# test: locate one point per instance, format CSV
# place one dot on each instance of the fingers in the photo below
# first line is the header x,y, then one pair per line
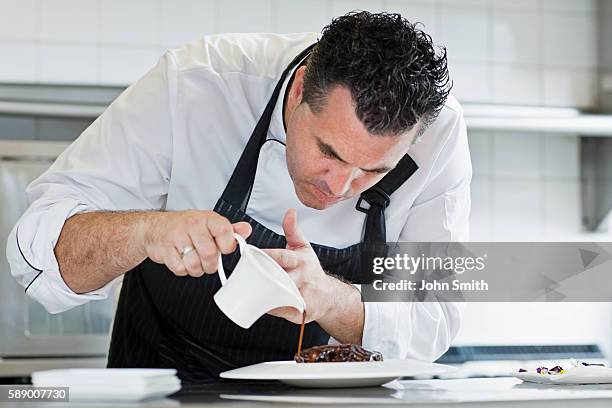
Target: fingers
x,y
190,260
284,257
206,231
243,228
174,262
289,313
205,249
223,233
294,235
213,235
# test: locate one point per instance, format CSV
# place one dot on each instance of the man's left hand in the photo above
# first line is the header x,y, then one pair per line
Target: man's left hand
x,y
300,261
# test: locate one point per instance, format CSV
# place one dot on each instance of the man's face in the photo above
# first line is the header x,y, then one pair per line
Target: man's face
x,y
330,155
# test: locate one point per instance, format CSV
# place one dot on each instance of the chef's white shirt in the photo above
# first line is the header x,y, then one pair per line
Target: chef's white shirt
x,y
172,140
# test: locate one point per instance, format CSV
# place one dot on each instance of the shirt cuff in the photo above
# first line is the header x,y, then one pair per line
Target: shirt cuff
x,y
419,330
30,251
380,331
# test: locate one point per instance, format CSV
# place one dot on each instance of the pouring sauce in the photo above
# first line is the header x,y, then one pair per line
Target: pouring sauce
x,y
299,350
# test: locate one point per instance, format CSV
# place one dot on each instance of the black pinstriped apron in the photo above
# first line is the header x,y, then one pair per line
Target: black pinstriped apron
x,y
167,321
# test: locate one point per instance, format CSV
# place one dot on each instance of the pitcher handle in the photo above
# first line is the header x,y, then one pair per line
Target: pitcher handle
x,y
241,245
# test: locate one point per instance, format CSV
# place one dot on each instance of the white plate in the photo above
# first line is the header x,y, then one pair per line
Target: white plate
x,y
334,375
574,375
123,373
124,385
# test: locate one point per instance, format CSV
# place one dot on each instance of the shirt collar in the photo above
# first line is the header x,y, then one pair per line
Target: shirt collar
x,y
277,129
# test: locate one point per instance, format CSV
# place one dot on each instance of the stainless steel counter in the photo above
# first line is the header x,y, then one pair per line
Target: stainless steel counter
x,y
23,367
485,392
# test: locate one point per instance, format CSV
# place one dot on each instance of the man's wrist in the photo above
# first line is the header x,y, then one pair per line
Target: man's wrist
x,y
145,226
344,319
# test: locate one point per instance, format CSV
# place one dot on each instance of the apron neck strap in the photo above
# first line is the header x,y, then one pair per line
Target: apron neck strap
x,y
379,196
238,189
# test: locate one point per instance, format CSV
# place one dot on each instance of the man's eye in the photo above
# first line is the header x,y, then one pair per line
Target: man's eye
x,y
377,172
329,154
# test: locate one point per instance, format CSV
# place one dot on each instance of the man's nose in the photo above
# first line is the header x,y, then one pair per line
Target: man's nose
x,y
340,181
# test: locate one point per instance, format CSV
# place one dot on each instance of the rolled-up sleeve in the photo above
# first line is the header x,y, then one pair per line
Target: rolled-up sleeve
x,y
122,161
425,330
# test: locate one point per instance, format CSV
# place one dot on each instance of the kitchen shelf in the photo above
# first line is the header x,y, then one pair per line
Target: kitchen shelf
x,y
38,150
63,110
56,100
536,119
584,125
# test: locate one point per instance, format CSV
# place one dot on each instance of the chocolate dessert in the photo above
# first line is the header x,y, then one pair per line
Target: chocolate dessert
x,y
337,354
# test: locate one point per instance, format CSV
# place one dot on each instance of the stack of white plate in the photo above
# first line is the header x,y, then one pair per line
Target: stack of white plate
x,y
111,384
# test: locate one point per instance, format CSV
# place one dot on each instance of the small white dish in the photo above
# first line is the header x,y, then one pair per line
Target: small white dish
x,y
573,375
336,375
111,384
105,374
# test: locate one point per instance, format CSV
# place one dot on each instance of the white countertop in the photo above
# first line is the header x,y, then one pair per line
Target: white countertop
x,y
475,392
493,391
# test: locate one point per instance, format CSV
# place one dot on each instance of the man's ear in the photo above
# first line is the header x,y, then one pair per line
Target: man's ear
x,y
297,89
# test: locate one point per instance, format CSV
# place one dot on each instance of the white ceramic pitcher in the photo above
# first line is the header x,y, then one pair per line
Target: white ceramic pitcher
x,y
257,285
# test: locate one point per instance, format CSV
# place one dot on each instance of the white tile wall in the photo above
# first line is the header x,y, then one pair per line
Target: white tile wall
x,y
515,5
569,5
561,158
118,64
460,26
463,3
339,7
313,15
424,12
481,219
472,81
517,156
19,61
569,87
186,22
245,16
19,19
69,20
561,204
515,36
481,148
525,187
569,40
68,63
498,49
133,22
516,85
519,203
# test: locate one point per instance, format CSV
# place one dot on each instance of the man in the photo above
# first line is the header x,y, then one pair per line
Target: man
x,y
240,134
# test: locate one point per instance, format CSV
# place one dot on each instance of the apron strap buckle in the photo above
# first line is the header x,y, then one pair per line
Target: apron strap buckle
x,y
375,196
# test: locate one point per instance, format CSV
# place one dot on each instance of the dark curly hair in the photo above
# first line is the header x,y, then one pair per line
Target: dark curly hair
x,y
391,67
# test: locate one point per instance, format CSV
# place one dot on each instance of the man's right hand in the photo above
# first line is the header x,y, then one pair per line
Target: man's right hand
x,y
167,234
